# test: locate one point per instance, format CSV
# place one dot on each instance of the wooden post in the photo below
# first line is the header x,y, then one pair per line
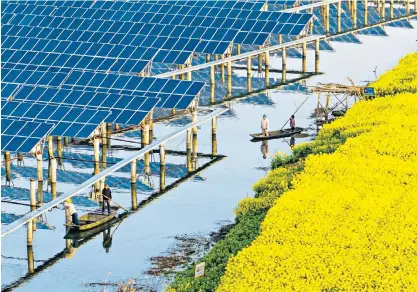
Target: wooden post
x,y
8,162
189,167
66,141
145,142
222,71
229,79
32,198
31,261
162,167
304,57
194,152
214,136
53,177
238,49
150,121
96,147
383,9
365,12
280,39
39,163
327,18
212,84
317,56
260,61
284,65
109,132
208,58
133,183
30,233
249,74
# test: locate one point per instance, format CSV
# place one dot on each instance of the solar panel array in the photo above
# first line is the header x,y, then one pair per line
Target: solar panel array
x,y
22,136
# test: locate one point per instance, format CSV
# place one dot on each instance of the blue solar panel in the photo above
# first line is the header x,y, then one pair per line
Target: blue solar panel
x,y
125,109
165,89
22,136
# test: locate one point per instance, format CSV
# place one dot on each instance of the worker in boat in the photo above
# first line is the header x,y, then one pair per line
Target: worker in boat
x,y
106,197
107,239
70,209
264,148
292,123
264,126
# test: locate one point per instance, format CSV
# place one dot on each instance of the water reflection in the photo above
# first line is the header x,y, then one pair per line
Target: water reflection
x,y
264,148
107,239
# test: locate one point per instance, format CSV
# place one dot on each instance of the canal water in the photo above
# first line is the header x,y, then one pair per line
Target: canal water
x,y
196,206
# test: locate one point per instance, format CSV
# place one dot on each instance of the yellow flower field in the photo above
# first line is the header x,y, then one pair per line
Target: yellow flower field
x,y
349,221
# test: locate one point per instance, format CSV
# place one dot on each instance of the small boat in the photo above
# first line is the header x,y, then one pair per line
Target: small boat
x,y
93,219
277,134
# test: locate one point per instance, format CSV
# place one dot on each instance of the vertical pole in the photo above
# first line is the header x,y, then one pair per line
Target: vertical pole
x,y
327,18
280,39
59,150
222,70
312,21
377,5
162,167
30,233
31,260
339,21
8,167
214,136
354,14
32,194
66,141
96,146
304,57
50,147
212,84
189,168
229,79
104,140
150,117
133,184
318,106
249,74
194,130
407,5
317,56
391,9
147,155
383,9
260,61
109,132
238,49
365,12
207,58
53,177
284,65
174,112
40,174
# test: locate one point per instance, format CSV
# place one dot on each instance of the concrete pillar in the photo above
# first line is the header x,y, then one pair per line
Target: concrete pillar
x,y
208,58
238,49
30,233
8,162
109,132
280,39
96,147
317,55
212,84
266,76
66,141
284,65
162,167
31,260
229,79
53,177
260,61
59,150
32,198
39,164
383,9
222,71
194,119
249,74
391,9
214,136
327,18
150,117
145,142
304,57
133,175
188,145
194,152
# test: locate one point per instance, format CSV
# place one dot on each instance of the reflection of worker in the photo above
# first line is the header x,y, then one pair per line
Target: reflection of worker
x,y
70,209
264,148
107,239
292,142
71,250
264,126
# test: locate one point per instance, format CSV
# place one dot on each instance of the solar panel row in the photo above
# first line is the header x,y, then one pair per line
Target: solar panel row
x,y
22,136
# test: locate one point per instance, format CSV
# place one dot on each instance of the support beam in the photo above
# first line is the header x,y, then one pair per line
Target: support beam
x,y
249,74
214,136
212,84
96,147
391,9
109,132
8,162
284,65
30,233
188,145
133,175
311,21
162,167
280,39
50,147
53,177
339,18
238,49
145,142
222,71
317,55
260,61
31,260
39,167
382,10
150,122
304,57
66,141
208,58
194,152
327,12
365,12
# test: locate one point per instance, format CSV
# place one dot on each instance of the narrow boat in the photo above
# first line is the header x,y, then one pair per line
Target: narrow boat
x,y
277,134
93,219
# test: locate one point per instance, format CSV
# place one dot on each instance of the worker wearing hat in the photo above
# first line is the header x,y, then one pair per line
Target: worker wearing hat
x,y
264,126
70,209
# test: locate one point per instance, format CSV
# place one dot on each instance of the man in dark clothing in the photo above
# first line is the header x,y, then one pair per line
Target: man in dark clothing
x,y
106,197
107,239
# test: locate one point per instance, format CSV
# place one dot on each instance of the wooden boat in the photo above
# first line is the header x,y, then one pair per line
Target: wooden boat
x,y
93,219
276,134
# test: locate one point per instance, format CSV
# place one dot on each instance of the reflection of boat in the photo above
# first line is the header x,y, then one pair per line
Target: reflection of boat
x,y
276,134
93,219
80,235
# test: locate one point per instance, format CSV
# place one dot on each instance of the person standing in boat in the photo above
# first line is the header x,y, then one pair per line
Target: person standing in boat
x,y
70,209
264,126
292,123
106,198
